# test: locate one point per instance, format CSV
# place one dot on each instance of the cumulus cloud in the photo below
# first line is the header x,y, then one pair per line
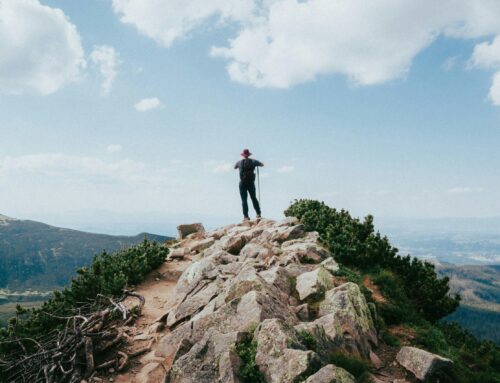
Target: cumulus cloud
x,y
465,189
168,20
487,55
114,148
107,60
40,49
147,104
281,43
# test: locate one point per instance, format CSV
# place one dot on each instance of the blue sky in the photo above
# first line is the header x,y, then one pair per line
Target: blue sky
x,y
377,117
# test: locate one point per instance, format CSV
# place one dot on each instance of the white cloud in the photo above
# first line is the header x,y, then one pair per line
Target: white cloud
x,y
68,166
487,55
40,49
107,60
114,148
218,166
285,169
465,189
281,43
168,20
223,168
147,104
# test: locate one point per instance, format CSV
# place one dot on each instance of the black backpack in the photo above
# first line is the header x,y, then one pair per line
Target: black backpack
x,y
246,171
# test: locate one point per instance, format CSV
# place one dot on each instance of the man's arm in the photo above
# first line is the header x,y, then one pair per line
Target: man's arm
x,y
258,163
237,165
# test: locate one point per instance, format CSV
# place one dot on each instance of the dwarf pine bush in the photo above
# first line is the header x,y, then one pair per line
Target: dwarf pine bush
x,y
355,243
108,275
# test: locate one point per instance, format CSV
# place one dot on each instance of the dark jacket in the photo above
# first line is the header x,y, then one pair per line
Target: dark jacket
x,y
247,169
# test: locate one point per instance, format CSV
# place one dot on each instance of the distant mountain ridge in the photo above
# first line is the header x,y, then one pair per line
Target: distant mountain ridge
x,y
37,256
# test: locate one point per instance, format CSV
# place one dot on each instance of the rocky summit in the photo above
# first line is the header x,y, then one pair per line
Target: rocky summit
x,y
260,302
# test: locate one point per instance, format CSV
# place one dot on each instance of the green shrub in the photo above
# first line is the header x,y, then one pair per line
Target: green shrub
x,y
355,243
249,371
308,340
356,366
108,275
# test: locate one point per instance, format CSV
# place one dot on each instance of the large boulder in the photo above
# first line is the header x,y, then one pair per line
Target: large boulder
x,y
280,355
195,302
240,314
423,364
184,230
346,318
331,374
314,283
209,360
190,278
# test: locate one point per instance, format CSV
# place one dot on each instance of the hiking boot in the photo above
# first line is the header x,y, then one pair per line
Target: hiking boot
x,y
246,219
258,216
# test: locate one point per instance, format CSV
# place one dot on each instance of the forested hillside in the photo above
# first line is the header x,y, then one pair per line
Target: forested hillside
x,y
41,257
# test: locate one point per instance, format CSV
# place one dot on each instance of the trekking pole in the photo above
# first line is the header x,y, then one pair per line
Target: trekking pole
x,y
258,183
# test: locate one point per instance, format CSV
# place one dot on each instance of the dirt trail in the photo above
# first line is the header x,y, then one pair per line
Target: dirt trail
x,y
159,291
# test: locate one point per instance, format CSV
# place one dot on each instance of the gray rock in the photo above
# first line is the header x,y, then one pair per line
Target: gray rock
x,y
278,277
302,312
306,251
201,244
184,230
194,302
192,276
331,374
314,283
242,313
202,362
233,244
256,251
421,363
229,367
179,253
330,265
280,355
286,233
346,318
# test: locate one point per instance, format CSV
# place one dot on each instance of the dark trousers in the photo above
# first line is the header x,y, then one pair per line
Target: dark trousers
x,y
246,189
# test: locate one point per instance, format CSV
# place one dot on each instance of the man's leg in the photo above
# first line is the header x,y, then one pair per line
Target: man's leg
x,y
255,201
244,203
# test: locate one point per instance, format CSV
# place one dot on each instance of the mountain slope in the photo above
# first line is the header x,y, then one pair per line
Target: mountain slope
x,y
38,256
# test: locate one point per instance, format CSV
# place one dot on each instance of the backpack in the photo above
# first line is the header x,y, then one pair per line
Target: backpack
x,y
246,171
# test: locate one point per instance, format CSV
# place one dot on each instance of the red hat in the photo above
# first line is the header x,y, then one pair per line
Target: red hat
x,y
246,153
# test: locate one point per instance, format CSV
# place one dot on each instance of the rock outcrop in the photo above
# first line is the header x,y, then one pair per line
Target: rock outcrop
x,y
262,301
268,283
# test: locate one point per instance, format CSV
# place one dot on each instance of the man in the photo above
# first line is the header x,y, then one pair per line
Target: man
x,y
247,182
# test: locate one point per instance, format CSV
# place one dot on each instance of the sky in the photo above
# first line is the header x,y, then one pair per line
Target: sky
x,y
128,115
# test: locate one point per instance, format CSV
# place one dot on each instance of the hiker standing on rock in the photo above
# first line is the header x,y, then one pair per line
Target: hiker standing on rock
x,y
247,182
